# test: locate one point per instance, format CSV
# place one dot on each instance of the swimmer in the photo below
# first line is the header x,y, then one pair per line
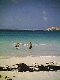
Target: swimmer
x,y
17,46
30,45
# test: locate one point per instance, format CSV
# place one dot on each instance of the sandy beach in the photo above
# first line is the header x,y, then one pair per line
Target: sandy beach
x,y
30,75
29,60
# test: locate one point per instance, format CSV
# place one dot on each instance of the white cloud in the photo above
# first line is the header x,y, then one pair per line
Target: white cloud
x,y
45,18
44,12
44,15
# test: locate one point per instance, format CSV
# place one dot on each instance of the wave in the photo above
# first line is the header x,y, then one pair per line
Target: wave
x,y
27,44
42,44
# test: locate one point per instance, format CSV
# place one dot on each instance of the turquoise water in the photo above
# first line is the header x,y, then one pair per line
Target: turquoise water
x,y
44,43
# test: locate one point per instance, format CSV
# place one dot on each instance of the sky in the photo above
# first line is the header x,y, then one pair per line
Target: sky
x,y
29,14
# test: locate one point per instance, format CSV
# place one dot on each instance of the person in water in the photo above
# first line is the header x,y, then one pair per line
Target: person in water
x,y
17,45
30,45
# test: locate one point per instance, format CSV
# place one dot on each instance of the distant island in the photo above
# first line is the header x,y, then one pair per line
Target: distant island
x,y
48,29
53,29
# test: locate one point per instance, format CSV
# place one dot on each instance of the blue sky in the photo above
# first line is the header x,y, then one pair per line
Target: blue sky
x,y
29,14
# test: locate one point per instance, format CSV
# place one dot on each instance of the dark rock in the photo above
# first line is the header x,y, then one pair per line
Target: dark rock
x,y
0,76
13,76
5,77
23,68
1,68
9,79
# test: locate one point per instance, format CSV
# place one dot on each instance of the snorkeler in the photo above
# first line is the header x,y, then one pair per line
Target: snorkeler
x,y
30,45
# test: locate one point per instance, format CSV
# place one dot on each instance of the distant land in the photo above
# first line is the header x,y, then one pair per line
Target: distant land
x,y
53,29
48,29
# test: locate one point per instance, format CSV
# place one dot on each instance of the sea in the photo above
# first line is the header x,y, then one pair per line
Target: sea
x,y
45,48
44,43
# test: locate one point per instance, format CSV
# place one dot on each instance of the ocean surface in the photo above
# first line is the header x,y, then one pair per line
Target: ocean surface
x,y
44,43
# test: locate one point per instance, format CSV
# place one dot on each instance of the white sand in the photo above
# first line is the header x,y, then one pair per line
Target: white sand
x,y
30,75
29,60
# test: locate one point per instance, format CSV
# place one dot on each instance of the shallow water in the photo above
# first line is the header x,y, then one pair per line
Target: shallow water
x,y
44,43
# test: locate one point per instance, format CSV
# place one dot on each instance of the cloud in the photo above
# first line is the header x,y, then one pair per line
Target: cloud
x,y
44,15
44,18
44,12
